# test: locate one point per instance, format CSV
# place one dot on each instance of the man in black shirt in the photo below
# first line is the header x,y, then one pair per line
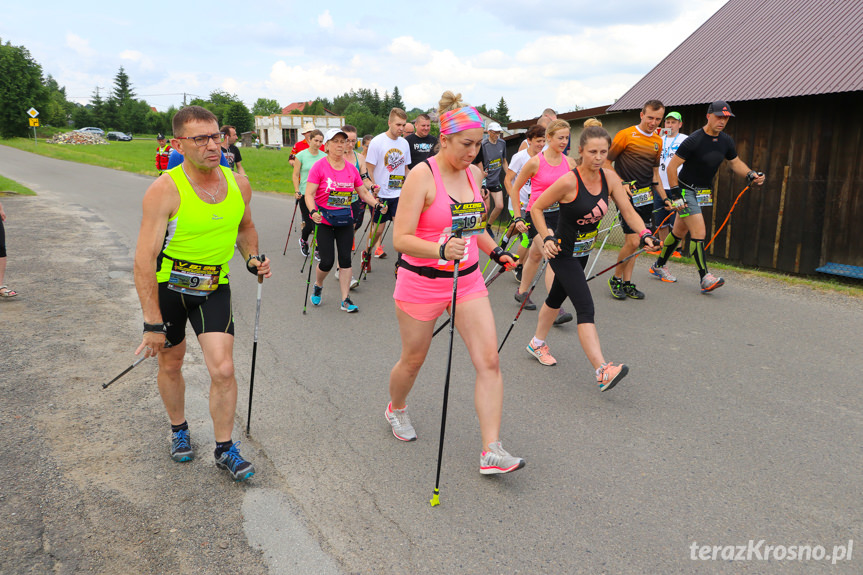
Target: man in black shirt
x,y
232,152
422,144
701,154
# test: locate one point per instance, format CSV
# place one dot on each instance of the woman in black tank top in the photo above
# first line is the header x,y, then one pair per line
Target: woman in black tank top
x,y
583,196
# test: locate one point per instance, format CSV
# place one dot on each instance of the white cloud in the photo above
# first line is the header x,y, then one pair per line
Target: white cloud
x,y
296,83
145,62
408,47
80,46
325,20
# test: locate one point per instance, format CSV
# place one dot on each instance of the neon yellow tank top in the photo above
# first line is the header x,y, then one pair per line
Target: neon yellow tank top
x,y
201,232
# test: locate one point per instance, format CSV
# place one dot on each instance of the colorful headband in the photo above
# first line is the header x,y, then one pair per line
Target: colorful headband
x,y
460,120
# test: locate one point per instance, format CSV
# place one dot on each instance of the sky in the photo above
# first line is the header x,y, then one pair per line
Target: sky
x,y
535,54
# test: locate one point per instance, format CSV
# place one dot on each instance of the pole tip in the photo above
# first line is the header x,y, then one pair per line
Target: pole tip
x,y
435,500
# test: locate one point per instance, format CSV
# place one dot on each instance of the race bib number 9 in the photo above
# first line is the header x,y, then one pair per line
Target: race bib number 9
x,y
642,197
583,244
469,217
194,279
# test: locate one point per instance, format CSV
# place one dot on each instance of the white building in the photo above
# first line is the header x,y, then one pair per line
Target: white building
x,y
283,130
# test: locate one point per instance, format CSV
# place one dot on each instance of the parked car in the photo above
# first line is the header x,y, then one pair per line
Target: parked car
x,y
120,136
92,130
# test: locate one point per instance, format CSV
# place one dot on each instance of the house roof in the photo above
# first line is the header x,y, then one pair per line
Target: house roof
x,y
568,116
295,106
760,49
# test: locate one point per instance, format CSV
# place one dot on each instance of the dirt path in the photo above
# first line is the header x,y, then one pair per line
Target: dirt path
x,y
87,482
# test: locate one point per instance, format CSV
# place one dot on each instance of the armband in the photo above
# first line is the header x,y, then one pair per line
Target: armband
x,y
155,328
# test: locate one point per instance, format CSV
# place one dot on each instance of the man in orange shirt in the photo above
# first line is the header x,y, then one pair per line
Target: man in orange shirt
x,y
636,152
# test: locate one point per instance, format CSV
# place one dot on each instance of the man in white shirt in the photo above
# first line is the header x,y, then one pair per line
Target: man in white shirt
x,y
387,163
671,140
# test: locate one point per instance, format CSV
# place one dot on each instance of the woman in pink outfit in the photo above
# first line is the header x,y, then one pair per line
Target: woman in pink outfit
x,y
440,195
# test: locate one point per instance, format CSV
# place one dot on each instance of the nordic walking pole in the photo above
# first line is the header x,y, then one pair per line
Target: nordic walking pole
x,y
255,347
488,282
291,227
614,224
360,243
611,267
523,302
309,279
367,258
131,367
311,249
125,371
435,500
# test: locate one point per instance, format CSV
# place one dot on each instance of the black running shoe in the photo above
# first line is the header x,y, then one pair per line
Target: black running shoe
x,y
233,462
517,272
616,286
181,446
631,291
519,297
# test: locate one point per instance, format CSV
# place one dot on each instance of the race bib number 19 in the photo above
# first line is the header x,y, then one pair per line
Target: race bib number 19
x,y
469,217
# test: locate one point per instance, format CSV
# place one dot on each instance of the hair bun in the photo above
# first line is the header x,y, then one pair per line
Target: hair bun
x,y
590,122
449,101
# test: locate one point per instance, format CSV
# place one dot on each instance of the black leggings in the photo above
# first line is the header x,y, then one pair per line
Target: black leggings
x,y
2,240
308,223
330,238
569,281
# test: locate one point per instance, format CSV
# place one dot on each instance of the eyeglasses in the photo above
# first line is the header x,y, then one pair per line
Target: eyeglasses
x,y
202,141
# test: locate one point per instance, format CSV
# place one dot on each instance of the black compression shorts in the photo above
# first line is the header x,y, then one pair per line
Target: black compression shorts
x,y
211,313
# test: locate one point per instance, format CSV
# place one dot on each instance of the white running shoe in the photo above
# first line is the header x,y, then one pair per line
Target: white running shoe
x,y
497,460
401,423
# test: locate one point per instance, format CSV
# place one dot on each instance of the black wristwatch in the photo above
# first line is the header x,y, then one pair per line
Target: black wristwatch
x,y
314,211
547,238
155,328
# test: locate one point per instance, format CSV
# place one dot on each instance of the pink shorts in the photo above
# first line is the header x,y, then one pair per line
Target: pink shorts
x,y
432,311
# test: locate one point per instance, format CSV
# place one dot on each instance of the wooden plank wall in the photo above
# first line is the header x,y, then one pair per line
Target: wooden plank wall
x,y
811,149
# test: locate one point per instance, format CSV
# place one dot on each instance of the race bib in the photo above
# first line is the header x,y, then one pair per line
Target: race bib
x,y
340,199
552,208
704,197
642,197
355,197
193,279
583,244
469,218
395,182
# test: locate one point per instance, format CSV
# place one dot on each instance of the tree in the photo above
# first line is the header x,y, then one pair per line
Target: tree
x,y
396,99
483,109
82,116
266,107
238,115
97,109
501,114
122,91
58,111
20,88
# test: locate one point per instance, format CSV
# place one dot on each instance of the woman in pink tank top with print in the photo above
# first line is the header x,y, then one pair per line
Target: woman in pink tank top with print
x,y
438,195
542,170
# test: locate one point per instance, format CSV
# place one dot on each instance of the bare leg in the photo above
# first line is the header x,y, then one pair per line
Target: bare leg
x,y
172,386
416,338
630,246
218,351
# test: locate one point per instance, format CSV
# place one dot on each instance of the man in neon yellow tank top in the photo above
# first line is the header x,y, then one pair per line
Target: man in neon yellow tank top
x,y
193,216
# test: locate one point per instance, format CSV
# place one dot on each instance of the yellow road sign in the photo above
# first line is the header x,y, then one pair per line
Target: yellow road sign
x,y
34,122
32,112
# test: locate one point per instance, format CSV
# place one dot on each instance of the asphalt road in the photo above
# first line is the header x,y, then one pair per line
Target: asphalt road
x,y
737,422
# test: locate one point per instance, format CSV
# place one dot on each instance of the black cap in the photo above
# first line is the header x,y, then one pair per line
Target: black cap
x,y
720,108
160,136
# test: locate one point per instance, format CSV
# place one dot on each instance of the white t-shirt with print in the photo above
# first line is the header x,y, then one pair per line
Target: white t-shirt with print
x,y
517,163
669,147
390,158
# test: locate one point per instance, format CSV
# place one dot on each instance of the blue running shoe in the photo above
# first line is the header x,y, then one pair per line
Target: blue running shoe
x,y
348,306
181,446
315,298
239,468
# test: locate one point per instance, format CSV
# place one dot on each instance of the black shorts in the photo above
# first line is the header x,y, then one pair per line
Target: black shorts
x,y
2,240
551,219
645,212
494,189
210,313
392,205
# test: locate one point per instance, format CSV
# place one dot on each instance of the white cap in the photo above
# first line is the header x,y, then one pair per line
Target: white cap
x,y
494,127
332,133
307,127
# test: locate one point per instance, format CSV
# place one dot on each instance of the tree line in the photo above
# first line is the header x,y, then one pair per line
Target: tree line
x,y
24,86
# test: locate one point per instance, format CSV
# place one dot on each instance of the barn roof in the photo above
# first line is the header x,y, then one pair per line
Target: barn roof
x,y
760,49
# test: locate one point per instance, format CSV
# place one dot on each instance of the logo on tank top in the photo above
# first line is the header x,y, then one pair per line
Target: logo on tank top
x,y
595,215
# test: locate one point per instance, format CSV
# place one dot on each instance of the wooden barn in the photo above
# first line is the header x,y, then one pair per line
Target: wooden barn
x,y
792,72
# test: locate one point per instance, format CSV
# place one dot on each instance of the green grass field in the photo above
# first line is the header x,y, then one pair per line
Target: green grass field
x,y
7,185
268,170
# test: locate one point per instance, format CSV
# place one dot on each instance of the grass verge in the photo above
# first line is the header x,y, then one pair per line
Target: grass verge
x,y
7,185
268,170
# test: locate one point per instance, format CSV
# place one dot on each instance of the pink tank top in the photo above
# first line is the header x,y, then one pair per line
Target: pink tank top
x,y
435,225
545,176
